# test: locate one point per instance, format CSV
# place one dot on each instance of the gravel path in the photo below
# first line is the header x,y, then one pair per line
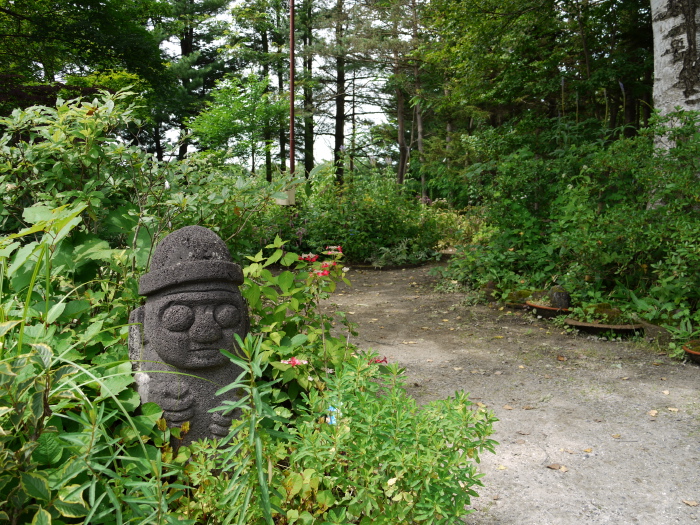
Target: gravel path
x,y
590,431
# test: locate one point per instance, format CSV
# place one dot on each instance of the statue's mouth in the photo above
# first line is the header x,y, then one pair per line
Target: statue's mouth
x,y
206,349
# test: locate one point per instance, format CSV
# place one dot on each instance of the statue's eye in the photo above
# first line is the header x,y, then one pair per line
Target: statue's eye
x,y
178,318
227,315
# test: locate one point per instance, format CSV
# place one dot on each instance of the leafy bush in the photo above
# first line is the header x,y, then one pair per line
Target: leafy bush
x,y
361,452
368,212
72,446
603,219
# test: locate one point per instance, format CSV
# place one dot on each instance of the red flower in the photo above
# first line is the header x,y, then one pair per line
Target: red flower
x,y
378,360
294,361
322,272
308,257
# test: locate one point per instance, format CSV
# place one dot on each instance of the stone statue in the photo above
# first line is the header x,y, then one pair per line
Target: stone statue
x,y
193,309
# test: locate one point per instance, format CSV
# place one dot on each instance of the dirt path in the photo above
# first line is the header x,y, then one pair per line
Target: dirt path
x,y
584,404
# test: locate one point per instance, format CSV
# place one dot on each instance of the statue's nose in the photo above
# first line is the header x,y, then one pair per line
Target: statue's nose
x,y
205,329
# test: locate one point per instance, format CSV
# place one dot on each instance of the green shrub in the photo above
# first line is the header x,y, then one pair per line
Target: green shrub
x,y
361,452
368,212
605,219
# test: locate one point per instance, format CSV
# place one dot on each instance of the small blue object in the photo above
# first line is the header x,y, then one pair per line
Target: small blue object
x,y
331,417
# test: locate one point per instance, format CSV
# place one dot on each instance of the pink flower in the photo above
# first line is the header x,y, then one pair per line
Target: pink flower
x,y
328,264
294,361
378,360
322,272
333,250
308,257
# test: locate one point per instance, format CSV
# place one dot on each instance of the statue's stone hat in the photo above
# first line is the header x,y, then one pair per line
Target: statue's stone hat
x,y
189,255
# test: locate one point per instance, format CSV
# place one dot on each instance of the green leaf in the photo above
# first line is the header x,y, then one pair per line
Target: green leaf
x,y
49,450
285,280
129,399
299,339
55,312
7,326
274,257
35,485
325,498
289,258
21,257
7,250
42,517
37,214
117,379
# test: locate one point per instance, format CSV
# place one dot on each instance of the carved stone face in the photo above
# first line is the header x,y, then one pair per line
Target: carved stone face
x,y
188,325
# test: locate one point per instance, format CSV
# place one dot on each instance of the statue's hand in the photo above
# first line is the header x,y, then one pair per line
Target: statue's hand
x,y
177,403
220,424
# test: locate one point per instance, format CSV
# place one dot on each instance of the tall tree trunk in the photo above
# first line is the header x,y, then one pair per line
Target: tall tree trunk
x,y
158,142
267,127
338,148
676,64
401,125
307,40
419,131
281,69
186,49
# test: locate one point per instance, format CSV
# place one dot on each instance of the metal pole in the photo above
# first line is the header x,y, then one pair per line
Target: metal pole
x,y
291,86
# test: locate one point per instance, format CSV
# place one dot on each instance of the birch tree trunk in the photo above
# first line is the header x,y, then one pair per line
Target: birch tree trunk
x,y
676,64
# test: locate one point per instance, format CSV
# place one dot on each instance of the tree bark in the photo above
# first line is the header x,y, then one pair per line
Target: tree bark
x,y
401,125
267,127
307,39
676,65
339,96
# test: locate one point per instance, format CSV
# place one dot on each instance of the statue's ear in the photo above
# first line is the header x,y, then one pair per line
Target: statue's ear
x,y
136,341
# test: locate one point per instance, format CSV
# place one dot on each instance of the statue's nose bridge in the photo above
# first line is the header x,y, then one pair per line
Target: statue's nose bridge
x,y
205,329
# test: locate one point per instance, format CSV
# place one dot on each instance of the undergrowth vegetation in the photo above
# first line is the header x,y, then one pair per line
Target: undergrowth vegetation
x,y
613,220
327,435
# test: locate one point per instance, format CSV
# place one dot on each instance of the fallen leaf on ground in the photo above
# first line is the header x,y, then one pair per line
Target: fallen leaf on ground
x,y
653,413
498,337
429,360
564,469
480,404
521,366
457,368
520,441
554,466
528,407
507,407
625,378
665,392
588,450
617,436
670,409
568,451
501,467
445,320
663,379
351,313
523,433
691,503
497,373
561,358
